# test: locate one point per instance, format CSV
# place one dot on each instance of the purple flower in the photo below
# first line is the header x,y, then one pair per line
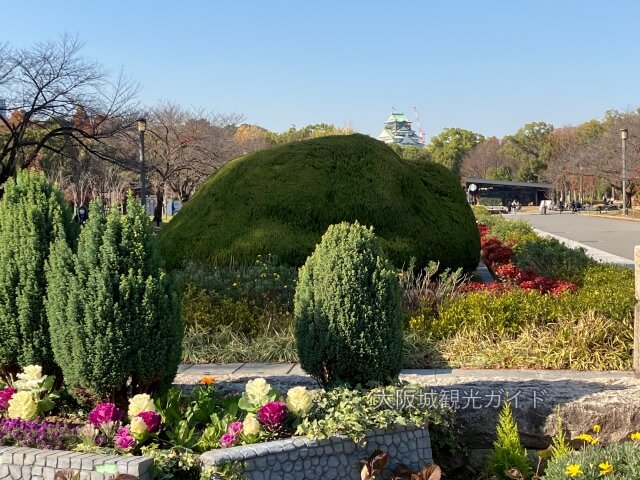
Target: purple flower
x,y
227,440
103,413
235,428
123,439
152,419
272,414
5,395
40,434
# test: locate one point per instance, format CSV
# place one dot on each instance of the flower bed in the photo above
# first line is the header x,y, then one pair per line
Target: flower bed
x,y
336,457
164,437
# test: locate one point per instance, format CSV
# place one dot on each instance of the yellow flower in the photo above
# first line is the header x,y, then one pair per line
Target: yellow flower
x,y
250,426
208,380
299,401
596,428
257,391
585,437
140,403
605,468
573,470
23,405
138,428
635,436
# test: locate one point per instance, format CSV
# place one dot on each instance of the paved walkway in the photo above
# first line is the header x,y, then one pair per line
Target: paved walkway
x,y
234,371
605,239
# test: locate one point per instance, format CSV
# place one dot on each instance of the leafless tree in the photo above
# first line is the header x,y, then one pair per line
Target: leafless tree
x,y
605,156
44,86
482,159
486,160
184,147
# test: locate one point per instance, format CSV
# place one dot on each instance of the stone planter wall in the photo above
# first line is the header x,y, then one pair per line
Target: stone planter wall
x,y
336,457
30,463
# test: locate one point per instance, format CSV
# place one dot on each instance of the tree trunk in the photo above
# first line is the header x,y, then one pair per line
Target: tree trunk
x,y
157,212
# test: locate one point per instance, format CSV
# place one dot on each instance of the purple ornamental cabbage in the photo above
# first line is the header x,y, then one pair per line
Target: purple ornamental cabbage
x,y
103,413
152,419
5,395
272,414
228,440
235,428
123,439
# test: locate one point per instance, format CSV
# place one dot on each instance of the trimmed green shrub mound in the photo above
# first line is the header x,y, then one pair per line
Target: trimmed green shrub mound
x,y
347,309
280,202
32,215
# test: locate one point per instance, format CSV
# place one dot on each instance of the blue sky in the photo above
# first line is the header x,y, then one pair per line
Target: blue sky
x,y
489,66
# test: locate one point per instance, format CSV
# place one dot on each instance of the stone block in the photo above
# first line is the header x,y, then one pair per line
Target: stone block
x,y
48,473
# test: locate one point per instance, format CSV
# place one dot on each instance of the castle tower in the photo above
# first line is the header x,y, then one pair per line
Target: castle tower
x,y
397,129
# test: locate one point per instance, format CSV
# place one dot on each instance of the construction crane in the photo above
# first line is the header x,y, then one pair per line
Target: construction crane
x,y
423,136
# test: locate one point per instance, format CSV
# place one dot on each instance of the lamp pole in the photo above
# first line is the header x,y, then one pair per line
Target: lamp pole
x,y
142,126
624,133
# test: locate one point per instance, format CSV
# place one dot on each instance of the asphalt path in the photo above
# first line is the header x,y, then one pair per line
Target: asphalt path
x,y
611,235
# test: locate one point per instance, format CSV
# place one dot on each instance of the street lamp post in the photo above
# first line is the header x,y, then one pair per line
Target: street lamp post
x,y
142,126
624,133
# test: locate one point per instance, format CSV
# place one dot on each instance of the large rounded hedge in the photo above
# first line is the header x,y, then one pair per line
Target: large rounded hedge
x,y
281,201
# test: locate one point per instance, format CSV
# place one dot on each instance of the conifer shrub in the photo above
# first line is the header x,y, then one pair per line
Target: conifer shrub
x,y
347,309
32,214
114,315
508,453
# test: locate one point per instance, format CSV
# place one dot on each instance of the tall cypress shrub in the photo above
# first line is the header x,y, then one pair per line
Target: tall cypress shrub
x,y
347,308
115,320
32,214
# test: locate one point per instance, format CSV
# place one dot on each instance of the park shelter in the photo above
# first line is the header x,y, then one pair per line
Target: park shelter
x,y
501,192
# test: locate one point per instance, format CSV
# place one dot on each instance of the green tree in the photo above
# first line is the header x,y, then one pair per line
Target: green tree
x,y
32,215
347,309
451,146
508,452
532,147
410,152
114,314
310,131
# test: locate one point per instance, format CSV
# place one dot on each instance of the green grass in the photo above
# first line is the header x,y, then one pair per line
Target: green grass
x,y
280,201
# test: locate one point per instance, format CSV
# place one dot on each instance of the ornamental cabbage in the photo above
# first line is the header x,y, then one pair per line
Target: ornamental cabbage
x,y
140,403
152,420
104,412
299,401
5,395
30,378
250,426
273,414
138,428
257,391
23,405
123,439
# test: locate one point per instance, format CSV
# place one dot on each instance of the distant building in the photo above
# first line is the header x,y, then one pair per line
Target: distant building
x,y
397,129
3,108
500,192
